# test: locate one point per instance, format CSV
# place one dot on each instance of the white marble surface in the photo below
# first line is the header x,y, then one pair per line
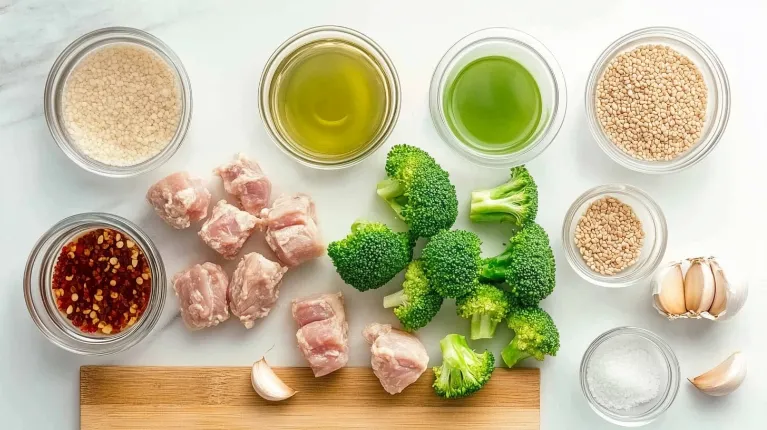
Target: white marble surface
x,y
717,206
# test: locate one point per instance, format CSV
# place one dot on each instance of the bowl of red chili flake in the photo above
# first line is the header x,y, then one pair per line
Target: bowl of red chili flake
x,y
95,284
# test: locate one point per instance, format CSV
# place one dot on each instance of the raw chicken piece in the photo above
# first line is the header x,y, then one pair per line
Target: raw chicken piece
x,y
227,229
179,199
290,210
291,229
201,291
245,180
254,288
399,358
295,244
323,336
317,308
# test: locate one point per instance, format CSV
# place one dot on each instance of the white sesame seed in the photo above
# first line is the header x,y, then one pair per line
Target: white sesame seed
x,y
121,104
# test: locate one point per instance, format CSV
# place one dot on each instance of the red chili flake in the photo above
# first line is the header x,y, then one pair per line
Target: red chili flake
x,y
102,281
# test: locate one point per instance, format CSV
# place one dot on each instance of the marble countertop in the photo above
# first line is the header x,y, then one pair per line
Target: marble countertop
x,y
715,207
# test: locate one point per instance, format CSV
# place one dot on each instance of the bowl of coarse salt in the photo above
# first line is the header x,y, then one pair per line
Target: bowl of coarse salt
x,y
629,376
118,102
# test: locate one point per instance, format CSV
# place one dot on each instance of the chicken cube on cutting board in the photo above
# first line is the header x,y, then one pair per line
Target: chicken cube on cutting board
x,y
254,288
244,179
227,229
179,199
398,358
201,291
323,336
292,231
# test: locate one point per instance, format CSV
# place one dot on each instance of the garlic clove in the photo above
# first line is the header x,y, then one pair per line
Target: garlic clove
x,y
267,384
719,304
670,296
699,286
724,378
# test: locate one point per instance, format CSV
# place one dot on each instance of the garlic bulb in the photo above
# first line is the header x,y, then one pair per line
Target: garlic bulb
x,y
699,287
724,378
267,384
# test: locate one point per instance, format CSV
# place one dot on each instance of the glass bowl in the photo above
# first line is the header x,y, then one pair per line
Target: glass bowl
x,y
531,54
644,414
377,57
653,224
717,111
41,303
69,59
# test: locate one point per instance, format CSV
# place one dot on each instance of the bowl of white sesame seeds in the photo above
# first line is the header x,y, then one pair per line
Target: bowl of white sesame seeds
x,y
658,100
118,102
614,235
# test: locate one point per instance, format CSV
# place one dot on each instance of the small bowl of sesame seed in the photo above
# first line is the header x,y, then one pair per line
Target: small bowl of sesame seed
x,y
657,100
614,235
118,102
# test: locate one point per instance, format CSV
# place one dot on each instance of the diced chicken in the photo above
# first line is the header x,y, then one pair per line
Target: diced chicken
x,y
291,230
227,229
245,180
323,336
317,308
287,210
179,199
201,291
399,358
254,288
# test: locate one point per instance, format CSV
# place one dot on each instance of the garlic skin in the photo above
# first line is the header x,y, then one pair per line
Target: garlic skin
x,y
699,286
724,378
725,287
267,384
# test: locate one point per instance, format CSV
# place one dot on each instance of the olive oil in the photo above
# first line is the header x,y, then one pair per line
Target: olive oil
x,y
330,99
494,105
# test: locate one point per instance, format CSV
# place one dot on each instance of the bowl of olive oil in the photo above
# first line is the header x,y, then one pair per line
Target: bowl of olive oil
x,y
329,97
498,97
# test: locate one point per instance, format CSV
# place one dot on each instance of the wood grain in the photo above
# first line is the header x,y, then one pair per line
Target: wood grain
x,y
151,398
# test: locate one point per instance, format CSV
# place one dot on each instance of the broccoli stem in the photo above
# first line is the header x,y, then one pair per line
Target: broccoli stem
x,y
394,300
494,269
512,355
391,190
482,326
501,210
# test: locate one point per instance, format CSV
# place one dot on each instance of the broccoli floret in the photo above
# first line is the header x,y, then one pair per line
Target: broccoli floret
x,y
419,191
452,261
416,303
515,202
535,335
486,306
527,266
371,255
463,371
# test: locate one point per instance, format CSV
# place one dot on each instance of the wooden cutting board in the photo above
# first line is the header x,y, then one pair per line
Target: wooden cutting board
x,y
116,397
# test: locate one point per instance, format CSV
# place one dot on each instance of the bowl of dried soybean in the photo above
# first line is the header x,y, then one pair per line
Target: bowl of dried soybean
x,y
657,100
614,235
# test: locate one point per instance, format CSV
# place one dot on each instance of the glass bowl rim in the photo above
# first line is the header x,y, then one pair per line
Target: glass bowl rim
x,y
57,79
672,365
654,259
554,72
388,71
721,87
42,251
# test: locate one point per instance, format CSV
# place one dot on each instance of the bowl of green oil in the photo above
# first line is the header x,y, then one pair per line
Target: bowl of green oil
x,y
329,97
498,97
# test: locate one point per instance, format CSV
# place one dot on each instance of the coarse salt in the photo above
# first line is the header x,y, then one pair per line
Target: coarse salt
x,y
121,104
624,373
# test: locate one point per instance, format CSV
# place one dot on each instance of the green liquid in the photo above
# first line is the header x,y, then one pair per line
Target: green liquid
x,y
330,98
494,105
